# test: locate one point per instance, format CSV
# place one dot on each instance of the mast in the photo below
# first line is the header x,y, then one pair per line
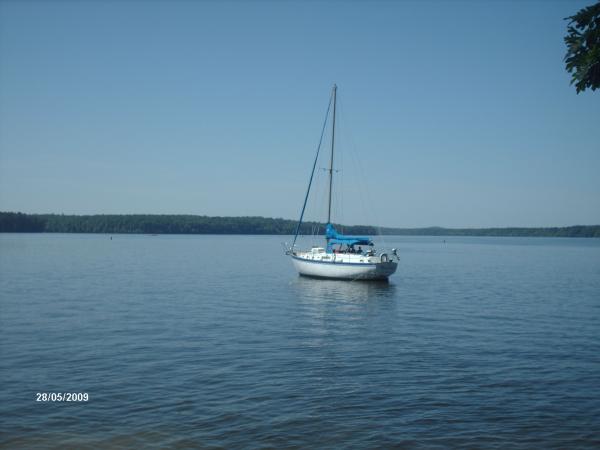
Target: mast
x,y
331,159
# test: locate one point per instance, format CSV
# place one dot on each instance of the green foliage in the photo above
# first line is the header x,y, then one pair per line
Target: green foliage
x,y
583,48
21,223
187,224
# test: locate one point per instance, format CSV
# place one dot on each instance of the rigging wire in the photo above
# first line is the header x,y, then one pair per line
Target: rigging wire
x,y
317,205
341,169
313,171
316,182
364,192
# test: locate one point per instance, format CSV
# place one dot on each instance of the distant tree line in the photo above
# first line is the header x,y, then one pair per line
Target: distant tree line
x,y
572,231
189,224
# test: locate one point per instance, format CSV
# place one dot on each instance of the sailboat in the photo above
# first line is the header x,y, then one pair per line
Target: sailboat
x,y
343,257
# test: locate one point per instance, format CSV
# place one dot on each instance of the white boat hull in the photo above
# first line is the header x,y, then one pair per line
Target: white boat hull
x,y
344,271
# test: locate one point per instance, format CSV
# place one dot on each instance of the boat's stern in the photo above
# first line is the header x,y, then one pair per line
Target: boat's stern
x,y
385,269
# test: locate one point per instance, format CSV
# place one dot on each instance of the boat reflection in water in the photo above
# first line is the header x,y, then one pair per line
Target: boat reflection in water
x,y
343,318
343,292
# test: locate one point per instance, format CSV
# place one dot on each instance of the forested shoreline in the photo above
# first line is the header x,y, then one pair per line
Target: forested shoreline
x,y
191,224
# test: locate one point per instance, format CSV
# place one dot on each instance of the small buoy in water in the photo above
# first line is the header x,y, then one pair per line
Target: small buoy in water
x,y
111,238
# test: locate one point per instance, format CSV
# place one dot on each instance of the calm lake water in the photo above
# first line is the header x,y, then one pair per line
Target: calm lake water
x,y
215,342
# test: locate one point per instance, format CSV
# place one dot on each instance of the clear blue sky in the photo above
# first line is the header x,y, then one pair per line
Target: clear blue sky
x,y
461,112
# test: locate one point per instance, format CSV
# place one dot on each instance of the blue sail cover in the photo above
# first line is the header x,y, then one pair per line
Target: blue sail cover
x,y
333,237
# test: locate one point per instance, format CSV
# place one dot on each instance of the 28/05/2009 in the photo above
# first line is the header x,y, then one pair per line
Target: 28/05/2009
x,y
62,397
